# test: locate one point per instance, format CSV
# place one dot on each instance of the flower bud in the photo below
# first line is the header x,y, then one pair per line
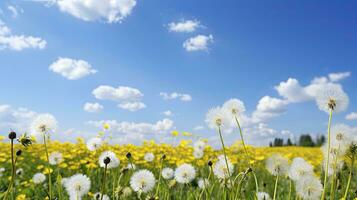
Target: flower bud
x,y
128,155
106,160
19,152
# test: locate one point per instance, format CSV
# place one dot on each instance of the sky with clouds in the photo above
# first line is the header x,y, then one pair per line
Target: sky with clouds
x,y
150,67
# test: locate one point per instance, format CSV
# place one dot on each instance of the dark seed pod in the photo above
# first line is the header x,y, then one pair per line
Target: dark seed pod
x,y
18,152
106,160
163,157
210,163
128,155
12,135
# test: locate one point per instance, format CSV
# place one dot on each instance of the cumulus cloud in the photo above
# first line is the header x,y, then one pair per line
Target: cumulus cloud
x,y
72,69
132,106
18,42
160,127
110,11
167,113
184,26
335,77
122,93
129,98
351,116
198,128
17,119
93,107
198,43
175,95
269,107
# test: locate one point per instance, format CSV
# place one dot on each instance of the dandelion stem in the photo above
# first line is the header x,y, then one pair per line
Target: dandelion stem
x,y
247,154
349,177
104,181
48,168
224,150
276,187
328,154
158,184
9,188
290,188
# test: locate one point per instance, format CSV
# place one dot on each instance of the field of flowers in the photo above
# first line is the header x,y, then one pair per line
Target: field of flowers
x,y
34,167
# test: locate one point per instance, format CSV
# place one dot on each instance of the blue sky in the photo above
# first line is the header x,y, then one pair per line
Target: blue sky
x,y
249,48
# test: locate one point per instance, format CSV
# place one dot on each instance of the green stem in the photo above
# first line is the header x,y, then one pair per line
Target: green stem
x,y
158,184
224,150
247,154
48,168
349,177
276,187
9,188
328,154
104,180
290,188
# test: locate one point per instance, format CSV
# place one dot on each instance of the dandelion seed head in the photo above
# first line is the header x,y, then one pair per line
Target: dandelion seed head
x,y
185,173
142,181
77,185
300,168
199,145
98,196
167,173
55,158
149,157
332,97
38,178
277,165
218,117
234,107
94,143
309,188
198,154
113,160
44,123
220,169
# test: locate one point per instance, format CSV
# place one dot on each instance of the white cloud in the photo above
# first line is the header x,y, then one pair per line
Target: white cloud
x,y
269,107
160,127
198,128
335,77
14,11
175,95
132,106
18,42
93,107
111,11
122,93
352,116
261,134
184,26
292,91
167,113
72,69
198,43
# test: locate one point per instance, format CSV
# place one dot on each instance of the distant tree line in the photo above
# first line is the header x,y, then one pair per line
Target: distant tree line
x,y
305,140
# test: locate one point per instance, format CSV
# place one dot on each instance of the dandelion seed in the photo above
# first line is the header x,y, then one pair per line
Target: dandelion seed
x,y
199,145
55,158
113,160
300,168
198,154
309,188
167,173
77,186
43,124
149,157
220,169
277,165
217,117
185,173
234,107
332,98
38,178
94,143
142,181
